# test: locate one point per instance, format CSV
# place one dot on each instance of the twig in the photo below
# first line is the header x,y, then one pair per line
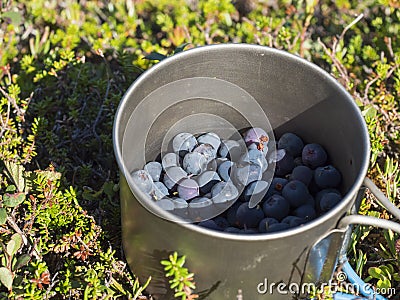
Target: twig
x,y
355,21
14,103
14,226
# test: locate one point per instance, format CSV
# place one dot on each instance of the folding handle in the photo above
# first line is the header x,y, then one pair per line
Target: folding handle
x,y
382,198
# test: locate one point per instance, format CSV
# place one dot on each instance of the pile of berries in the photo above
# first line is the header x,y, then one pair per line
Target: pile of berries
x,y
226,185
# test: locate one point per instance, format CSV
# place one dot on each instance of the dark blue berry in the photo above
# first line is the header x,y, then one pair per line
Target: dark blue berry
x,y
276,207
329,200
209,224
210,138
160,190
172,176
291,143
154,169
207,180
321,193
255,135
327,177
254,156
188,189
183,143
194,163
170,160
247,174
223,192
314,155
278,227
293,221
296,193
302,173
265,223
249,217
285,165
165,204
231,214
224,170
276,187
143,181
207,150
306,212
221,222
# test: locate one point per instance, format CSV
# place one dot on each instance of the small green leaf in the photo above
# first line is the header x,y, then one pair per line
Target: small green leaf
x,y
17,238
375,272
11,188
180,48
22,261
3,216
14,16
155,56
6,277
13,200
16,172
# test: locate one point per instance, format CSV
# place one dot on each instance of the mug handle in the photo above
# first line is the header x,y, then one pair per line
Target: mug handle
x,y
348,220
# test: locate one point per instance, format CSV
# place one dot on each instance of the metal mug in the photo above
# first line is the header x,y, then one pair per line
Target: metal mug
x,y
296,96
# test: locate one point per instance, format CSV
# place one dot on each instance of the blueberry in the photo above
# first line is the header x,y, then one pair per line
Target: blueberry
x,y
154,169
256,189
143,181
276,207
194,163
296,192
291,143
209,224
278,227
276,187
231,214
200,202
179,203
306,212
223,192
255,135
293,221
221,222
170,160
327,177
166,204
265,223
207,180
321,193
188,189
173,175
207,150
285,165
224,170
329,200
249,217
230,149
302,173
314,155
254,156
232,230
183,143
159,190
210,138
247,174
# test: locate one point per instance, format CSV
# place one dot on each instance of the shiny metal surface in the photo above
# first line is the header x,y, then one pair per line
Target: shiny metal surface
x,y
296,96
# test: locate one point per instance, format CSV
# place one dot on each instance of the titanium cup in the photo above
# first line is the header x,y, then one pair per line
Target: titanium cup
x,y
296,96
